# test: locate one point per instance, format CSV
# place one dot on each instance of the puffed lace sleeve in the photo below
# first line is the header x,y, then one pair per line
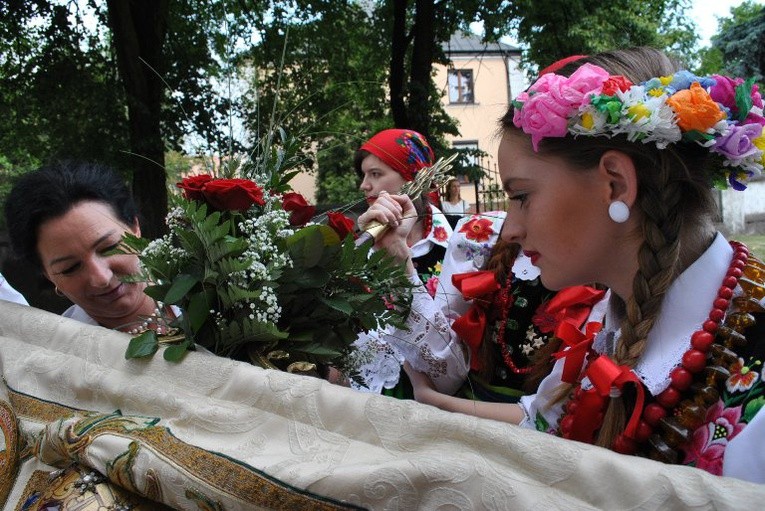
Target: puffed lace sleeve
x,y
430,345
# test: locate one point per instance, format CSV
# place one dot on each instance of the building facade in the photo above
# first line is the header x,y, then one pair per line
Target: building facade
x,y
477,87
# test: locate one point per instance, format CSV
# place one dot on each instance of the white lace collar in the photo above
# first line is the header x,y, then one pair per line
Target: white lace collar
x,y
685,307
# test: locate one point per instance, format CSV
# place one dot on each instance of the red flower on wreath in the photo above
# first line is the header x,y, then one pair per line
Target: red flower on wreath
x,y
232,194
710,440
342,225
478,229
439,233
192,186
615,84
300,211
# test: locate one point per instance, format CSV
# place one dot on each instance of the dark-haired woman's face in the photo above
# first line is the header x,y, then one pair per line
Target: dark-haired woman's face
x,y
73,250
378,177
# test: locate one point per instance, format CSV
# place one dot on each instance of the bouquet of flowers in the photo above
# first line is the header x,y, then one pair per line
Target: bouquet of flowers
x,y
258,277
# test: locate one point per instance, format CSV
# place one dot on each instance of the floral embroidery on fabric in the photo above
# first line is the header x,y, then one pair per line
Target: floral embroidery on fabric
x,y
416,146
431,279
440,233
709,441
543,320
479,254
742,377
478,229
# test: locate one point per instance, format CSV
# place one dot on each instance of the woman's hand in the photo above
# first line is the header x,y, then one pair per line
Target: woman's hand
x,y
398,213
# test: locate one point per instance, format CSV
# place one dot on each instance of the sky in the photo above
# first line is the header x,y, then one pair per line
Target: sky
x,y
705,13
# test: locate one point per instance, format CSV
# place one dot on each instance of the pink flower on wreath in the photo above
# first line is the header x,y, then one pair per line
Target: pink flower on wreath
x,y
724,92
709,441
432,285
439,233
741,378
586,81
553,99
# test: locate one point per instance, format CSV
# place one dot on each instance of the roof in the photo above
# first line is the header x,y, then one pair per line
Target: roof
x,y
470,44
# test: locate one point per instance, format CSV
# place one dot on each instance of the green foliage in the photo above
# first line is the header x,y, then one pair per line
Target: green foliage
x,y
9,172
554,29
736,49
741,41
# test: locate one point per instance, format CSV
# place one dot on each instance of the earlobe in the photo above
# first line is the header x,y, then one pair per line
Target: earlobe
x,y
622,176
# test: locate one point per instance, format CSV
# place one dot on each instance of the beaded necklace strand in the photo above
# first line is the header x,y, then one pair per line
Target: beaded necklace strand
x,y
667,424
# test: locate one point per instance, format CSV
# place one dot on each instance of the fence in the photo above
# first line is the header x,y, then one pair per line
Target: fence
x,y
488,190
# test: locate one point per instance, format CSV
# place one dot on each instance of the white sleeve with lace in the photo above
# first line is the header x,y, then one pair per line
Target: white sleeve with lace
x,y
431,346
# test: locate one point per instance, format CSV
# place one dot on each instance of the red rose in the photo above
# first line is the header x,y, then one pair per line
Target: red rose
x,y
232,194
615,83
301,211
340,223
192,186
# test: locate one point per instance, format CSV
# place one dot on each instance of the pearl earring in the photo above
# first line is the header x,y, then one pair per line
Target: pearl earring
x,y
619,212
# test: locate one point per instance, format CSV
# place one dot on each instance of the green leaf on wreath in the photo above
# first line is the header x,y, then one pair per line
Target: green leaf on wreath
x,y
181,285
143,345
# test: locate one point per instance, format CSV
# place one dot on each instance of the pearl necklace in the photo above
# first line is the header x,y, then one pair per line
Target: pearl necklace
x,y
157,321
704,366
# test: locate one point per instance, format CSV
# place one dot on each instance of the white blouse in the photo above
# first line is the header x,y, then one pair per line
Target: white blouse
x,y
685,307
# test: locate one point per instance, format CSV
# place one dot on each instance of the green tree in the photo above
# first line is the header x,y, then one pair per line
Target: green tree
x,y
736,42
554,29
741,41
115,81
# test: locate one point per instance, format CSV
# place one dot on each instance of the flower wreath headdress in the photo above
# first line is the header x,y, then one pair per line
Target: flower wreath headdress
x,y
720,113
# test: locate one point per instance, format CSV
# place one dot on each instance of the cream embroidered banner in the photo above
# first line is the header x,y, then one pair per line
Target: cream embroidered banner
x,y
210,433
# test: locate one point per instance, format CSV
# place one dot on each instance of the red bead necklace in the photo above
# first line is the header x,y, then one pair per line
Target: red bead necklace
x,y
659,413
504,301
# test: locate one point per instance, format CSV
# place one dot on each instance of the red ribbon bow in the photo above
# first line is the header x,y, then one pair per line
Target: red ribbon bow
x,y
476,286
574,303
579,344
605,374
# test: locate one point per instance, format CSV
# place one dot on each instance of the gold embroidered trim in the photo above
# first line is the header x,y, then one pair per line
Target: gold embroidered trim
x,y
9,455
236,479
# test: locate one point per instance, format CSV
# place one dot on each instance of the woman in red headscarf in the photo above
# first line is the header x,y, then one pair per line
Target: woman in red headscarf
x,y
386,162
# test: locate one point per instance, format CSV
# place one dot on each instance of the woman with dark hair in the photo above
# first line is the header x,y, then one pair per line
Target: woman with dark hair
x,y
66,219
385,163
609,163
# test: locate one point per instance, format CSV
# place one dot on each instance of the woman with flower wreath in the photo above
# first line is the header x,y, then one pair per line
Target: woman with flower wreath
x,y
609,164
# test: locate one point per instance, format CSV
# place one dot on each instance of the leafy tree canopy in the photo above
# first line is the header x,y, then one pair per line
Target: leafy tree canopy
x,y
554,29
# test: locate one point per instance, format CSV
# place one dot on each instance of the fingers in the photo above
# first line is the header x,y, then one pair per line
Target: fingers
x,y
387,209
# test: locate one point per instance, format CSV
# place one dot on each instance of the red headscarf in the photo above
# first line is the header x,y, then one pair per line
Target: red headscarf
x,y
405,151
